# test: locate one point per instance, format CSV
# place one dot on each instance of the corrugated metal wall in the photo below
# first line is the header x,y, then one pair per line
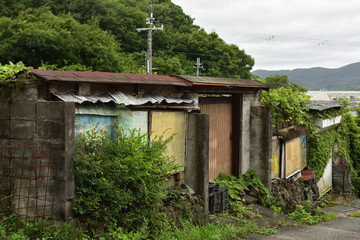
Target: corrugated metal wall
x,y
220,112
325,183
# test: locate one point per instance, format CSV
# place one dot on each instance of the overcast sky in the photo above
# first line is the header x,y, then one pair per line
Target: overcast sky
x,y
284,34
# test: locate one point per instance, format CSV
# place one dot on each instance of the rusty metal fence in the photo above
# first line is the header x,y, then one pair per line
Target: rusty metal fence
x,y
28,180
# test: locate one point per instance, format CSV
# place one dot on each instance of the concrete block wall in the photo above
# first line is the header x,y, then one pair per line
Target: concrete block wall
x,y
248,100
261,142
197,156
43,133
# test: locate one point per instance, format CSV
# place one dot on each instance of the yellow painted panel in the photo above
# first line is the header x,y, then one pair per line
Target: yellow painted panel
x,y
166,124
292,156
275,157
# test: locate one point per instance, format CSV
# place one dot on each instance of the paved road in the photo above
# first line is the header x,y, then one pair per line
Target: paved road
x,y
343,228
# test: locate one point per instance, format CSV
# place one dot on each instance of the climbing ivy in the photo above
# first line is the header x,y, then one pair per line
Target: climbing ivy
x,y
288,107
347,136
349,147
320,150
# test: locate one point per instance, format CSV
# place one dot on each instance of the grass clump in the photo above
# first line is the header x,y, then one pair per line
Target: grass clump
x,y
304,215
355,214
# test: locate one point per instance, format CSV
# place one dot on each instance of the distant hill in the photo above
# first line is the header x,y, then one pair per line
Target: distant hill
x,y
344,78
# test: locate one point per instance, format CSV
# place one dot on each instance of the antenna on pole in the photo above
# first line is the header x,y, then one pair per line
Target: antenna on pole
x,y
150,22
198,66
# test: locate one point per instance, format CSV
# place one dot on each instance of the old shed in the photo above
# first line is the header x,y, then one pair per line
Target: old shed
x,y
219,125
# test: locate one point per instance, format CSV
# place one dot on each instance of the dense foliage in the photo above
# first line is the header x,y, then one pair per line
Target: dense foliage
x,y
120,182
288,107
101,34
238,186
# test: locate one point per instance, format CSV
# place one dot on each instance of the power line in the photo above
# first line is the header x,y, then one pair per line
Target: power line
x,y
284,38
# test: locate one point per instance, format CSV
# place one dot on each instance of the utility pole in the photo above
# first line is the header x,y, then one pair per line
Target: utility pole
x,y
150,22
198,66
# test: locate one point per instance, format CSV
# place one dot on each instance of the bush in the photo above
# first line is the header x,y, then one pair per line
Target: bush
x,y
120,182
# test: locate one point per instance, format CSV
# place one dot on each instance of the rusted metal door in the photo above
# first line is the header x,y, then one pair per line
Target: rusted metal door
x,y
220,147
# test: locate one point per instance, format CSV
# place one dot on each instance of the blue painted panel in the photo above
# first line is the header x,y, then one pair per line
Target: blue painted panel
x,y
94,123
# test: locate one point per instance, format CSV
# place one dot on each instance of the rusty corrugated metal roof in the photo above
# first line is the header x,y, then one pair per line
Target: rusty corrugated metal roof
x,y
107,77
233,82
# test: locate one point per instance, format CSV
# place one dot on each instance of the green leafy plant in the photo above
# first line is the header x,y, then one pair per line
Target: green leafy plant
x,y
304,215
120,182
288,107
238,185
355,214
15,227
8,74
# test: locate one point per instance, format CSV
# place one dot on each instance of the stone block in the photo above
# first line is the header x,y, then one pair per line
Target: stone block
x,y
224,192
23,130
4,129
50,110
50,129
25,206
29,93
3,96
214,202
22,110
25,188
4,110
213,187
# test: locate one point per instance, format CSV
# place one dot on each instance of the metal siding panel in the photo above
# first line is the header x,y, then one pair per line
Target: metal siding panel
x,y
219,137
94,123
133,120
325,183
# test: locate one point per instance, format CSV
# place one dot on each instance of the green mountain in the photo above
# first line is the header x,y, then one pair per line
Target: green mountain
x,y
343,78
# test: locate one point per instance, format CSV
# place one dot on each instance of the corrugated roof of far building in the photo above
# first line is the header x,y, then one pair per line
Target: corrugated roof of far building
x,y
323,105
231,82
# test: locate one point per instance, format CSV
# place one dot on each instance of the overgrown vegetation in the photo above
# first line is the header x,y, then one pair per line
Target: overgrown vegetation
x,y
238,185
288,107
8,81
305,215
120,182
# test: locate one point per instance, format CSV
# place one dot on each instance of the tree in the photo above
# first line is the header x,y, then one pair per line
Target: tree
x,y
277,81
38,36
91,32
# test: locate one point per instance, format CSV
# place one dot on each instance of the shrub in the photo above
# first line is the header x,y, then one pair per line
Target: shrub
x,y
121,181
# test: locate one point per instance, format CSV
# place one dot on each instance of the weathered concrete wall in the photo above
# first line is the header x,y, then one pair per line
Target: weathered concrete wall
x,y
261,142
40,133
197,156
248,100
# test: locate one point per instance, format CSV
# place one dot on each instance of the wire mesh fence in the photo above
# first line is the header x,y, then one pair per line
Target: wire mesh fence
x,y
28,179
